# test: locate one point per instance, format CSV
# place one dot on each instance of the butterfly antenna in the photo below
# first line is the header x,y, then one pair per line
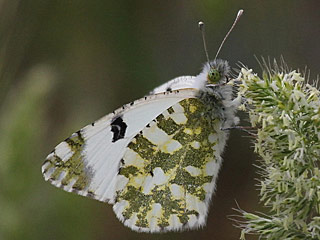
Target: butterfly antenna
x,y
233,25
201,27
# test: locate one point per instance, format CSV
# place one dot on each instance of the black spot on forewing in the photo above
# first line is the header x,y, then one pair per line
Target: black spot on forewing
x,y
118,127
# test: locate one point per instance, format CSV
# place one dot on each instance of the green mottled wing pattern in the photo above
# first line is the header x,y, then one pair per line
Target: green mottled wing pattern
x,y
168,172
87,163
66,166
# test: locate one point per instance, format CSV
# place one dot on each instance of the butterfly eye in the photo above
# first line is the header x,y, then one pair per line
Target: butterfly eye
x,y
214,76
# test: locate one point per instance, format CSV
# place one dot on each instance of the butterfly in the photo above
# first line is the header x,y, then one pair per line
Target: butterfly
x,y
156,160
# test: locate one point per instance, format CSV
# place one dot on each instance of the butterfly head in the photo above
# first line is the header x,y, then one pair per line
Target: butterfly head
x,y
217,71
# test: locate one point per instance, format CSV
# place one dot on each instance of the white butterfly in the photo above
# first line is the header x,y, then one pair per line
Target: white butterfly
x,y
156,159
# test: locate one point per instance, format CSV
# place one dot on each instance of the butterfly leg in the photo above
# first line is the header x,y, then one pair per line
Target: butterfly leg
x,y
246,129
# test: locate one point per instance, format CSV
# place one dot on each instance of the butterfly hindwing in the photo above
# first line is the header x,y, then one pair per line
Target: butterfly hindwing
x,y
177,83
168,171
88,162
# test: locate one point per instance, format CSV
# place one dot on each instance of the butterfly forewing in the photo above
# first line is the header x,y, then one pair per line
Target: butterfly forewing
x,y
88,162
167,173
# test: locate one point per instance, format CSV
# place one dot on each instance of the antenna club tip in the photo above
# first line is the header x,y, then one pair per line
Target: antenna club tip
x,y
201,24
240,12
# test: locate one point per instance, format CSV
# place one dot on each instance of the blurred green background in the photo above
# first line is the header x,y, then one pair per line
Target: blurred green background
x,y
64,64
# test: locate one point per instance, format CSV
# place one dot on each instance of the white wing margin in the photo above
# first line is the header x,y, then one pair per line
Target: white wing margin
x,y
182,82
87,163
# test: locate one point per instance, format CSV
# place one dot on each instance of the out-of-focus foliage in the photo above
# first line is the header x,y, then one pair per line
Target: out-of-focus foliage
x,y
21,142
64,64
